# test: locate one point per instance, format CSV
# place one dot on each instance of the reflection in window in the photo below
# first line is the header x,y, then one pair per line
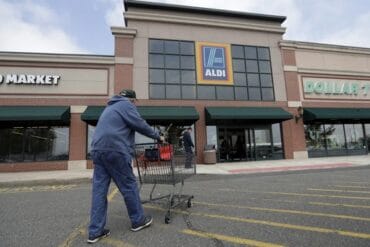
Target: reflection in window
x,y
90,133
29,144
177,60
315,137
276,138
367,130
212,135
335,136
354,136
263,143
174,136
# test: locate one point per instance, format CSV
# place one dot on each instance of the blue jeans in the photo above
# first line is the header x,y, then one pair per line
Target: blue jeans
x,y
117,166
188,157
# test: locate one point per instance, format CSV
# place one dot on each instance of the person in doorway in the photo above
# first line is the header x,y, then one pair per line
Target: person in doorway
x,y
188,145
112,150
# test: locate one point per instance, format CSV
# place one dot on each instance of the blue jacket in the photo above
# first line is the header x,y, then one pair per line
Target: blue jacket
x,y
116,127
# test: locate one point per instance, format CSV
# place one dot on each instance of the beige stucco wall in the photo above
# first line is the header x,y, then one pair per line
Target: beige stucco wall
x,y
146,30
71,82
328,61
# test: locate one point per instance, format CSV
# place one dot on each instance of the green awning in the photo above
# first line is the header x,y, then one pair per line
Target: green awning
x,y
240,114
92,114
56,114
338,114
152,114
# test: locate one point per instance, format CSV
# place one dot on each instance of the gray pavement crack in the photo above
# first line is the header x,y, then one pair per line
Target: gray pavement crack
x,y
186,217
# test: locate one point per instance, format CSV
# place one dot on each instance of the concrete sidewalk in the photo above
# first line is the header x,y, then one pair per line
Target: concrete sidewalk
x,y
266,166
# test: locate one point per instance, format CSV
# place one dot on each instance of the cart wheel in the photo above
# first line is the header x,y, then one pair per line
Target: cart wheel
x,y
189,203
167,218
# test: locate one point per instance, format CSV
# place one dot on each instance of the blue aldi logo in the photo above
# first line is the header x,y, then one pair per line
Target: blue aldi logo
x,y
214,63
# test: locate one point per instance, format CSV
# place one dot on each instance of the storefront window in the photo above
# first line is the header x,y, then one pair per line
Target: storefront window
x,y
29,144
212,136
90,133
263,144
367,130
335,136
172,71
354,136
174,135
335,139
315,137
276,137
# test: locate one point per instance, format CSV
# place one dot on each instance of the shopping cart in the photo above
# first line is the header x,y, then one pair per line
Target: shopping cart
x,y
158,164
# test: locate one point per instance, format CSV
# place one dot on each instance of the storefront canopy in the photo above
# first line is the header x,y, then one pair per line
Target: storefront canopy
x,y
239,114
29,114
336,114
152,114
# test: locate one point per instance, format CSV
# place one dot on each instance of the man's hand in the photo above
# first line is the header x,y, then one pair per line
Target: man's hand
x,y
161,139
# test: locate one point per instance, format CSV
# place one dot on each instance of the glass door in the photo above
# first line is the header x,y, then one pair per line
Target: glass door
x,y
250,144
263,147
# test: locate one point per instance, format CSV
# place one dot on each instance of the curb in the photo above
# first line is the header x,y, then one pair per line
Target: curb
x,y
46,182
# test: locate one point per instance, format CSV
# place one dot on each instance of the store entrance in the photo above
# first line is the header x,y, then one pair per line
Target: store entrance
x,y
237,144
245,144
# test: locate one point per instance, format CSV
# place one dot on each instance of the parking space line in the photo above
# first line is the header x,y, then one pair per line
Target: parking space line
x,y
287,211
358,182
315,203
351,186
339,205
234,240
342,191
80,229
274,224
298,194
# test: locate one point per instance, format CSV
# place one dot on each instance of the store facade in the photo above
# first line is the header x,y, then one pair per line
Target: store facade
x,y
230,76
41,99
227,65
329,85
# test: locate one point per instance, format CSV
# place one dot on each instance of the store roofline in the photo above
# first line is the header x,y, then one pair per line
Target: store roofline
x,y
200,10
56,57
52,54
323,46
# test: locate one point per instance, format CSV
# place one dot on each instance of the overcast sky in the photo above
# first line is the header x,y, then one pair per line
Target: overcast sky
x,y
83,26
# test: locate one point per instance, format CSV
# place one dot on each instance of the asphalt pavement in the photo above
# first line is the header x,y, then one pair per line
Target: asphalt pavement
x,y
321,207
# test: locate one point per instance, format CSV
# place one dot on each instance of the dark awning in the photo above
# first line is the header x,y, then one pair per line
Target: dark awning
x,y
152,114
31,114
240,114
92,113
336,114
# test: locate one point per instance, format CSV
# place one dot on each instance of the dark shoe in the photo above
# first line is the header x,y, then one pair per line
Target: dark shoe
x,y
95,239
146,222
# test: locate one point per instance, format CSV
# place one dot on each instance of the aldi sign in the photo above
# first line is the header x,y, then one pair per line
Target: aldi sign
x,y
214,64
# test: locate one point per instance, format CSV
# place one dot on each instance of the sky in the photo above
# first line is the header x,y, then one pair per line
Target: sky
x,y
83,26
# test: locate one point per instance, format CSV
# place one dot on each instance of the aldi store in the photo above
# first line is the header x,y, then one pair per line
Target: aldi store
x,y
246,92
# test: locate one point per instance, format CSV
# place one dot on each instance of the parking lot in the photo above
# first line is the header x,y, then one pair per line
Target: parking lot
x,y
311,208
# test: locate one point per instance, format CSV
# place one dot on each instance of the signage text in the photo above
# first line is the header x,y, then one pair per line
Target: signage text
x,y
30,79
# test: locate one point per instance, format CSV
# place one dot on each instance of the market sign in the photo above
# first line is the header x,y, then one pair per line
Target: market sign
x,y
331,88
18,79
214,63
